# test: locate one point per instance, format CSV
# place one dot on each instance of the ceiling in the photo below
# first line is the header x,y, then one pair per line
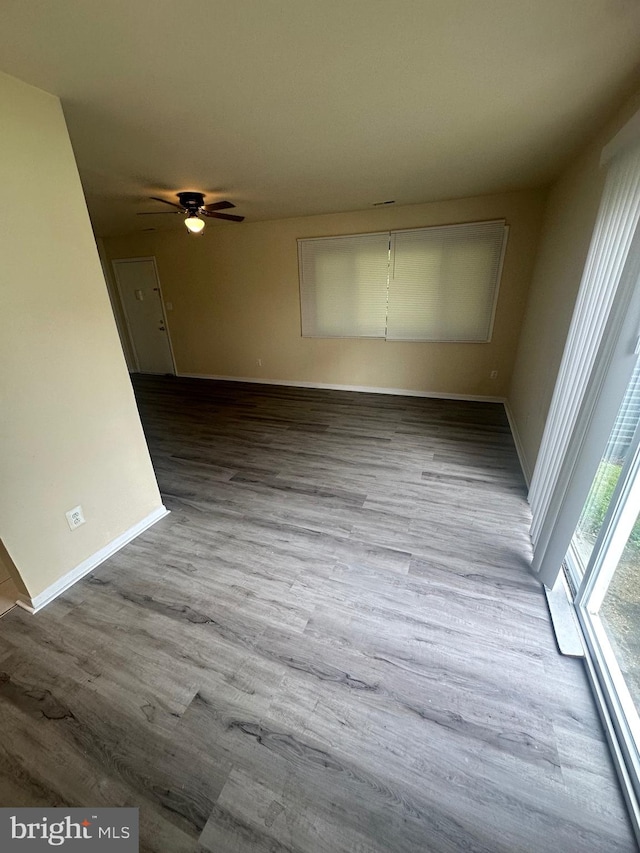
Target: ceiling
x,y
296,107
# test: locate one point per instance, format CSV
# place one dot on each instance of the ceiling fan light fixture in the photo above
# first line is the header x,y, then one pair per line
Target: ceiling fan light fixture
x,y
194,224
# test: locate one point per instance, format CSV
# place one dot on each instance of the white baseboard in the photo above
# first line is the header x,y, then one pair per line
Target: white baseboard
x,y
518,443
46,596
364,389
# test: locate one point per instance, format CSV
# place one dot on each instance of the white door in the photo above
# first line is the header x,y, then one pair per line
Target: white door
x,y
139,289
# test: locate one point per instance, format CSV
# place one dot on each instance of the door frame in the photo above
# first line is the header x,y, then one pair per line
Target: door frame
x,y
613,371
620,707
151,258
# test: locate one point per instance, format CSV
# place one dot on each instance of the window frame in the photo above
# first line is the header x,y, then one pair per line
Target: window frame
x,y
301,241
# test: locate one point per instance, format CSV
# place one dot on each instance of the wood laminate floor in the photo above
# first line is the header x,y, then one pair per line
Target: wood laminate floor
x,y
331,645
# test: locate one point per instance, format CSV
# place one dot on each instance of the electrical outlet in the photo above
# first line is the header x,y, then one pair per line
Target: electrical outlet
x,y
494,374
75,517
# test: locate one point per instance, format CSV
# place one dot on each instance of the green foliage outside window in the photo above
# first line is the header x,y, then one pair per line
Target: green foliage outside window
x,y
598,504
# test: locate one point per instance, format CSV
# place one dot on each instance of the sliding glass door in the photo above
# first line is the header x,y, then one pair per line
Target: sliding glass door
x,y
603,563
608,607
585,491
603,487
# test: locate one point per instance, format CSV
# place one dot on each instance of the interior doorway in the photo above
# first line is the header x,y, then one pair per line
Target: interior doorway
x,y
144,309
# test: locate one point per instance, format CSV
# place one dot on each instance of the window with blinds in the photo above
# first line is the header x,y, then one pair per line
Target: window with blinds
x,y
423,284
343,286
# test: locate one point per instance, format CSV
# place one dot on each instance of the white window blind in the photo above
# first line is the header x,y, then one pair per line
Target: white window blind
x,y
343,286
616,223
423,284
444,282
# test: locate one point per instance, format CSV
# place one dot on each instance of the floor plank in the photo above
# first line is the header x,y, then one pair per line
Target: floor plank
x,y
332,645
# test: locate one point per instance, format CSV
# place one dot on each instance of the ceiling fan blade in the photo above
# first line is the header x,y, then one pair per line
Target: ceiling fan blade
x,y
164,201
228,216
219,205
157,212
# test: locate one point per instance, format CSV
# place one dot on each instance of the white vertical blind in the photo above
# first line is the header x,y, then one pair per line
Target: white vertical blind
x,y
612,371
444,282
616,224
343,285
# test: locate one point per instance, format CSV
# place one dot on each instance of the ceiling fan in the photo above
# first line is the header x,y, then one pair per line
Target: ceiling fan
x,y
193,205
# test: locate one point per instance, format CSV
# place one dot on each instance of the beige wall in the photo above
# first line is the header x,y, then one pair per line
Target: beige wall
x,y
235,300
8,571
70,432
568,224
5,573
116,305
